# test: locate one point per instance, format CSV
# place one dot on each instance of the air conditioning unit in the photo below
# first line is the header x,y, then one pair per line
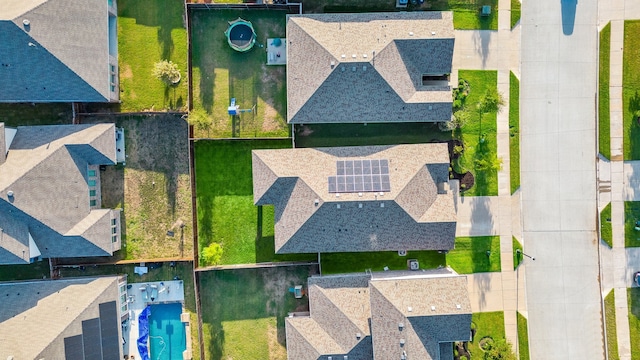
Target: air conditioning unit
x,y
413,264
402,252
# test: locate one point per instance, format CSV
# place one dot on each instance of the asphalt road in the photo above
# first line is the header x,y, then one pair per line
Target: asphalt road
x,y
558,179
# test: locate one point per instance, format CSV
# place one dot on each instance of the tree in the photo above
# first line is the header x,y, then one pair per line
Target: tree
x,y
167,72
492,101
212,254
199,119
499,350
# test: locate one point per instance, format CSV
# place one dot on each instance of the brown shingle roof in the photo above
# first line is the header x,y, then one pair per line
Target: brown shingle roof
x,y
380,305
368,67
413,215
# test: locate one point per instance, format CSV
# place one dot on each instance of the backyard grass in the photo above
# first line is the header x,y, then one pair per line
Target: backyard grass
x,y
633,300
466,13
631,216
515,12
37,270
183,270
148,32
517,257
153,188
610,320
226,213
340,263
631,89
523,337
486,181
220,73
514,130
487,324
243,311
470,254
605,225
18,114
604,124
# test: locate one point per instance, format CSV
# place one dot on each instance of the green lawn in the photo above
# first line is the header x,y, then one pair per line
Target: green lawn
x,y
338,263
13,115
515,12
466,13
514,130
470,254
631,216
243,311
604,124
37,270
150,31
183,269
610,321
605,225
523,337
220,73
633,299
486,324
486,181
631,89
326,135
517,258
226,213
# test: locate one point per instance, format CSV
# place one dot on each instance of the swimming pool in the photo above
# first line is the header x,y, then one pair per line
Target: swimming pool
x,y
167,337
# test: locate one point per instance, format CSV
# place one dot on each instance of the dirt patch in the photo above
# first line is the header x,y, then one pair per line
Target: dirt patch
x,y
126,72
276,349
271,121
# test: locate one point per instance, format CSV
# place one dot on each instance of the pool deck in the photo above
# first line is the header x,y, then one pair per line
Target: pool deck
x,y
173,292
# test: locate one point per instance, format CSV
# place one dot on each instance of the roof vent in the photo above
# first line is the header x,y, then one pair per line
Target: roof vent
x,y
360,206
381,193
364,56
410,33
346,357
360,194
364,67
410,309
358,336
10,193
343,56
329,357
26,22
316,202
433,308
401,326
333,63
32,44
458,306
430,107
381,205
343,68
338,206
433,33
353,56
353,69
338,195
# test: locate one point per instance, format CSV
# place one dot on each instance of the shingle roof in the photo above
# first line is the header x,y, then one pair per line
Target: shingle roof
x,y
368,67
36,317
380,306
62,55
416,214
46,170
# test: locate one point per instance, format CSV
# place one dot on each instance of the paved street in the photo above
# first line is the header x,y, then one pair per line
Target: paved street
x,y
558,179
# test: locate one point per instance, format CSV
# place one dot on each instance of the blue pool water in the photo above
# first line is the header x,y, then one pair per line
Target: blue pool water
x,y
166,332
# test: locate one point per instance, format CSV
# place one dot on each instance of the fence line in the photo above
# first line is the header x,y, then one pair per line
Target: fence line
x,y
290,7
257,266
241,138
137,113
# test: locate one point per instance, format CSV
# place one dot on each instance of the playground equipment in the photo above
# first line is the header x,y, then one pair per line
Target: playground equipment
x,y
234,109
240,35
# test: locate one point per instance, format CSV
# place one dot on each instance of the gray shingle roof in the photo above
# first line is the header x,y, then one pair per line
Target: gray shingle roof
x,y
47,171
416,215
37,316
63,55
346,68
380,306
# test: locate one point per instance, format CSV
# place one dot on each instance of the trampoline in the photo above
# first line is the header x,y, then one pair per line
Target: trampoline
x,y
240,35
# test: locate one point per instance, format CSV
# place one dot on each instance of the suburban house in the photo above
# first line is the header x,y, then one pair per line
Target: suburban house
x,y
369,67
351,199
50,197
58,51
384,316
62,319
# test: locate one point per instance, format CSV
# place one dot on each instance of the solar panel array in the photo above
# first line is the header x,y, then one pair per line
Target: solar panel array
x,y
109,325
360,176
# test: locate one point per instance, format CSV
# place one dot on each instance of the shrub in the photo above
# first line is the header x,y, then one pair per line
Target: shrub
x,y
446,126
167,72
200,119
212,254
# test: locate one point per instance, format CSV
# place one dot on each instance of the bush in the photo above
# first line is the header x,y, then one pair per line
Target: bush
x,y
200,119
212,254
167,72
446,126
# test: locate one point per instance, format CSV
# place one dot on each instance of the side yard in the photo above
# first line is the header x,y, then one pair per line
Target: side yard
x,y
221,73
226,213
631,89
153,188
148,32
13,115
243,310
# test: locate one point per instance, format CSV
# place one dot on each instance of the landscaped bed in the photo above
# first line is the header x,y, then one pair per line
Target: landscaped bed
x,y
604,123
631,89
243,311
148,32
153,188
514,131
221,73
226,213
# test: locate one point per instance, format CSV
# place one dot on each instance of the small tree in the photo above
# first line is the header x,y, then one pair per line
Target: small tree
x,y
212,254
499,350
199,119
167,72
492,101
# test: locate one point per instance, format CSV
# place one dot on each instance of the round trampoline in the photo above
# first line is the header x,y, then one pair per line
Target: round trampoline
x,y
241,35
